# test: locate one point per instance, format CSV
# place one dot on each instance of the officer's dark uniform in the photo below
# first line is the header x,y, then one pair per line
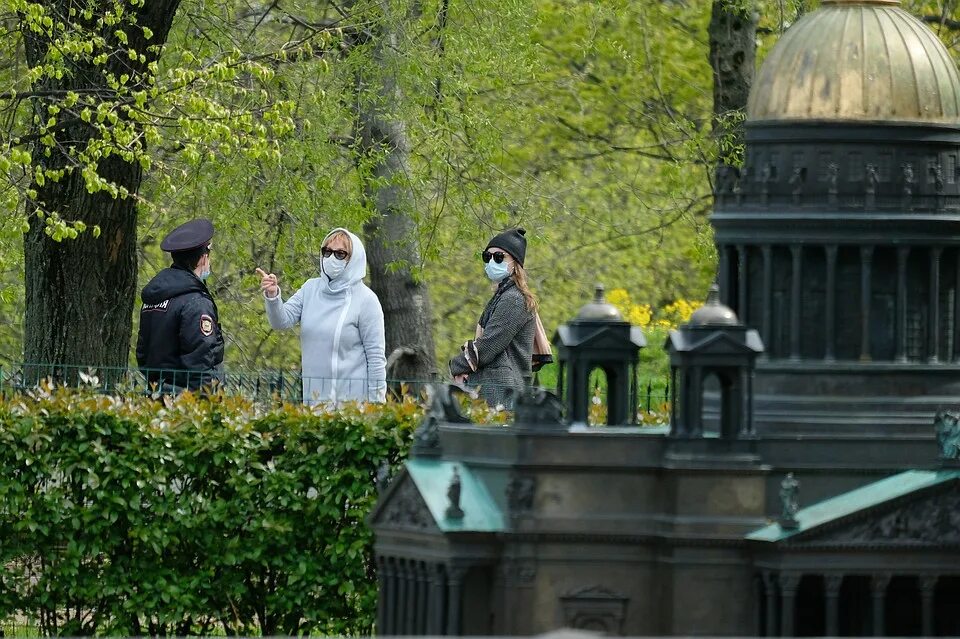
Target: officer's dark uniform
x,y
180,344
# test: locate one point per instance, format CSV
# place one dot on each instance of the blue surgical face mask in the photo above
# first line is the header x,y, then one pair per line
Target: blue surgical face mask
x,y
205,273
496,272
332,267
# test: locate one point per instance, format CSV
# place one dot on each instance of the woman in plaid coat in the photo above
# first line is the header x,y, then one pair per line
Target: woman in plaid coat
x,y
499,358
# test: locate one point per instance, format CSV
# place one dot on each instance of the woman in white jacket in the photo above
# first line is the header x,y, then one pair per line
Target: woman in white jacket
x,y
341,325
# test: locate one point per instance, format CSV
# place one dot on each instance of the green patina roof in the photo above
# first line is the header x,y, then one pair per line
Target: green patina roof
x,y
432,479
856,500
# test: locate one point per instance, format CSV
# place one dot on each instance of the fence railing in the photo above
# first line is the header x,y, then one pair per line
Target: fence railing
x,y
269,385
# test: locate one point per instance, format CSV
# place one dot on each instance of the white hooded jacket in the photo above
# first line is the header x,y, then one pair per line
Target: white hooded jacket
x,y
341,333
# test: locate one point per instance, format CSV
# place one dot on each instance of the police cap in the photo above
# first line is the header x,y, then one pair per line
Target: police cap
x,y
191,235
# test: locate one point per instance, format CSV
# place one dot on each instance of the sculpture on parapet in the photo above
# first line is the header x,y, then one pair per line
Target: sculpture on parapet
x,y
538,408
454,511
442,406
947,426
833,174
789,501
907,201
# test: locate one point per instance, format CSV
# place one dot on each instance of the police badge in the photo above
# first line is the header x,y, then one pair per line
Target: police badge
x,y
206,325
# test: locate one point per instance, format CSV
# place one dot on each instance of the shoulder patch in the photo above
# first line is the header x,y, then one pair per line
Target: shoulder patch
x,y
206,325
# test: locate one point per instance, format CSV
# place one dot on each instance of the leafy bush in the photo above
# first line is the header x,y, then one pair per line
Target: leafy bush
x,y
131,516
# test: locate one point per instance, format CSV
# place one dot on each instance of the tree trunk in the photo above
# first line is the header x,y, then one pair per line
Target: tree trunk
x,y
80,292
733,48
390,236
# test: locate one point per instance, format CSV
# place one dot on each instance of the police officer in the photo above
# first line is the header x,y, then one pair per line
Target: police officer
x,y
180,345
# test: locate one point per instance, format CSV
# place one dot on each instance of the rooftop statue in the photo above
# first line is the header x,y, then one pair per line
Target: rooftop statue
x,y
947,426
789,501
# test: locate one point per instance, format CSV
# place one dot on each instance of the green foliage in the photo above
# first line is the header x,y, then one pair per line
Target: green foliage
x,y
588,123
129,516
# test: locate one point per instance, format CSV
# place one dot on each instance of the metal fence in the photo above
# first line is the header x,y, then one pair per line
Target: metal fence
x,y
269,385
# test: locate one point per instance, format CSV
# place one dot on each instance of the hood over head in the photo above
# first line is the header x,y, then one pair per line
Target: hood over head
x,y
356,268
171,282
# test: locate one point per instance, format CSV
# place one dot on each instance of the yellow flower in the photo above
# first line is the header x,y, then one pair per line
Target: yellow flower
x,y
640,315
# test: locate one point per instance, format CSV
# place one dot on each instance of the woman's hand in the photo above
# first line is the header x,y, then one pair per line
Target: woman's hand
x,y
461,379
268,283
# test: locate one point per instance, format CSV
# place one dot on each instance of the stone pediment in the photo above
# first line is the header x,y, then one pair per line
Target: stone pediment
x,y
923,511
933,521
613,336
402,507
420,500
714,342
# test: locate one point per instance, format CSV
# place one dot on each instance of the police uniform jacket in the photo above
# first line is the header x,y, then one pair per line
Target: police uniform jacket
x,y
180,343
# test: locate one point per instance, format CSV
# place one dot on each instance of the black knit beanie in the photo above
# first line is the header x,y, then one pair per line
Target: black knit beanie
x,y
513,242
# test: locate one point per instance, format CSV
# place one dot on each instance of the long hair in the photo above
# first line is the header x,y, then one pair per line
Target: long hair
x,y
520,279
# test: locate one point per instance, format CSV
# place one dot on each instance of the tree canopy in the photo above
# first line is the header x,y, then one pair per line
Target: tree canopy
x,y
590,124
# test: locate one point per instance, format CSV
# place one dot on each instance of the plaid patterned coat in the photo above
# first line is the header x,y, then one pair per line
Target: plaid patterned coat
x,y
501,354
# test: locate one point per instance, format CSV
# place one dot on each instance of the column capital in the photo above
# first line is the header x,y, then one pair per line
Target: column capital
x,y
789,581
831,585
770,578
879,583
928,583
866,252
387,563
456,572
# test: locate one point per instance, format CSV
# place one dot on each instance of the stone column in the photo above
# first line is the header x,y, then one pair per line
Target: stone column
x,y
933,348
420,614
766,319
455,576
866,293
693,404
403,597
956,310
674,424
831,591
770,590
437,603
795,300
878,592
901,324
381,594
725,268
928,584
830,316
390,608
788,601
742,282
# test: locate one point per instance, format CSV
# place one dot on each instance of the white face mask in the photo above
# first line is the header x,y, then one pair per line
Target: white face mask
x,y
332,267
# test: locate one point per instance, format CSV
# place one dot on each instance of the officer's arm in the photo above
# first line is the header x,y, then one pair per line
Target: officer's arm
x,y
201,346
141,344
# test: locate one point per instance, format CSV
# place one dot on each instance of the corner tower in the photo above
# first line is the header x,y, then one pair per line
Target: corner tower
x,y
839,239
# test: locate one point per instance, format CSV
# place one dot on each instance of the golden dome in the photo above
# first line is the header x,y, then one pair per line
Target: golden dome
x,y
857,61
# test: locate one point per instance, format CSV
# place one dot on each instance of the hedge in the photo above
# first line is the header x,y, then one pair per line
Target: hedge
x,y
125,515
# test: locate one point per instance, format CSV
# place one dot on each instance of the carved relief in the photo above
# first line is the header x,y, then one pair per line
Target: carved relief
x,y
521,492
595,608
407,509
935,521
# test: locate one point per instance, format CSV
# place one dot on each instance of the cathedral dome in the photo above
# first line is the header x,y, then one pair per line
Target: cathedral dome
x,y
857,61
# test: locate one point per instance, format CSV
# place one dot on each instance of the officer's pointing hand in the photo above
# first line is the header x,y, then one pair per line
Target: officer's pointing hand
x,y
268,283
